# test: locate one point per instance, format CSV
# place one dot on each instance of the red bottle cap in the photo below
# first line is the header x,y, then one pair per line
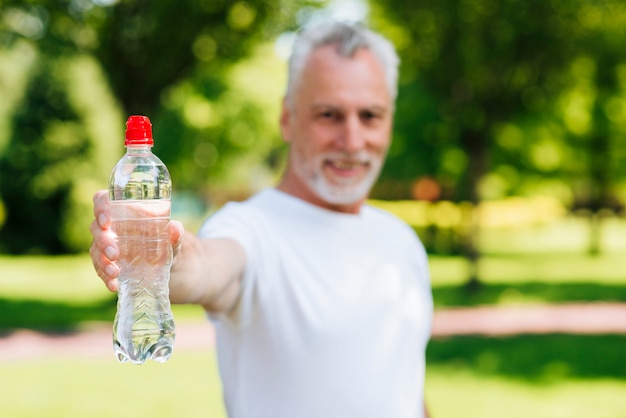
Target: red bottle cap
x,y
138,131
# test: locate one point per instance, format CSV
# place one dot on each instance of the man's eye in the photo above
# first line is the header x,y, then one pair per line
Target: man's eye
x,y
328,115
368,116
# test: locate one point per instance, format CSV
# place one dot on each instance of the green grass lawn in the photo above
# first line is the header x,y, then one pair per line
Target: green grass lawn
x,y
454,392
59,293
186,386
548,376
539,376
480,378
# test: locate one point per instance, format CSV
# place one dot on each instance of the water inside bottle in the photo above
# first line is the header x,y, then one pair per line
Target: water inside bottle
x,y
144,326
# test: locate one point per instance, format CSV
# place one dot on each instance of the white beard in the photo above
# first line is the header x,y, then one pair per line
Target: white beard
x,y
338,191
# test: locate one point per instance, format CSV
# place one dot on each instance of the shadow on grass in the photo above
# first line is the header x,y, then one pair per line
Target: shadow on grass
x,y
534,357
51,316
488,294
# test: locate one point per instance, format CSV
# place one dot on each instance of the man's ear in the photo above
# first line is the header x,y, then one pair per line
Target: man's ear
x,y
285,121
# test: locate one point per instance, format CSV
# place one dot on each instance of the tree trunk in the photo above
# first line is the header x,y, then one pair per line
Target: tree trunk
x,y
474,144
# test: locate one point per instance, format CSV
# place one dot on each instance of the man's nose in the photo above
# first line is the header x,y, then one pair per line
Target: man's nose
x,y
351,136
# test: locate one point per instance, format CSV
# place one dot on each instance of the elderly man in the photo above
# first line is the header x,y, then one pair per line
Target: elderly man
x,y
321,303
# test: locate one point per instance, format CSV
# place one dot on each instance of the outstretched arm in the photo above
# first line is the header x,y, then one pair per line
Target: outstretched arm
x,y
204,272
207,272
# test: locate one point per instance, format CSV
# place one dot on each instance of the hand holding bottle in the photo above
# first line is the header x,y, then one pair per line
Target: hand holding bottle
x,y
104,250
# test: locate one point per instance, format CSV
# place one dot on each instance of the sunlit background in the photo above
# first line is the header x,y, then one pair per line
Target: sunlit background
x,y
508,159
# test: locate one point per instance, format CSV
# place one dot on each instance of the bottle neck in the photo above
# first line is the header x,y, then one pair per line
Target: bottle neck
x,y
138,149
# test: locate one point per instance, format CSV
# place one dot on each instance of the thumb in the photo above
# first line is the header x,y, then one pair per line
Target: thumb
x,y
177,231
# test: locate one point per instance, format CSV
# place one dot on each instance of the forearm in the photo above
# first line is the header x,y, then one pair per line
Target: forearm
x,y
207,273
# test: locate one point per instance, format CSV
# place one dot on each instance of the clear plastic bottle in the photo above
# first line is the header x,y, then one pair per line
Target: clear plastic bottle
x,y
140,191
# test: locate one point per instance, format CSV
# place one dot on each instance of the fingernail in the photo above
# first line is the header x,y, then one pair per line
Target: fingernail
x,y
110,252
102,219
110,269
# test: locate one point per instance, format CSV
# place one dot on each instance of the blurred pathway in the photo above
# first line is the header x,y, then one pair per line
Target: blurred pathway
x,y
589,318
583,318
93,341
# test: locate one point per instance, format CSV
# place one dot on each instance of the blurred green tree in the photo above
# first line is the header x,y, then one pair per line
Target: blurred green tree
x,y
477,74
57,152
95,61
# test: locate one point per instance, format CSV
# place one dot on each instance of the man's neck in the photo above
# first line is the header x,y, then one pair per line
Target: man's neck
x,y
301,191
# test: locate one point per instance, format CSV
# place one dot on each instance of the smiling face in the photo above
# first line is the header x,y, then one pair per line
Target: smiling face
x,y
339,127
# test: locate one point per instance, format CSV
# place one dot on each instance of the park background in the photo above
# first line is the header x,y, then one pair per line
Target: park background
x,y
508,160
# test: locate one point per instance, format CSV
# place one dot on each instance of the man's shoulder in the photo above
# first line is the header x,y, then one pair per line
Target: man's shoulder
x,y
390,224
232,217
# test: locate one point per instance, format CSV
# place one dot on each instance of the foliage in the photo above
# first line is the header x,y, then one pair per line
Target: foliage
x,y
496,99
500,97
234,137
71,70
58,150
510,97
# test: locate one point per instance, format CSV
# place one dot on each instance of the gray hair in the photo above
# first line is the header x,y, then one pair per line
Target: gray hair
x,y
349,38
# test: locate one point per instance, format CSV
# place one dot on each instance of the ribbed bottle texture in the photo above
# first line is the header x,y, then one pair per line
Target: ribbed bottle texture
x,y
140,192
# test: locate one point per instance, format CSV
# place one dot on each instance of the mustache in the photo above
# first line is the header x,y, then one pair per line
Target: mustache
x,y
358,157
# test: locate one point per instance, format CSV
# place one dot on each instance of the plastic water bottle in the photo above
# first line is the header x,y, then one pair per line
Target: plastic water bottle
x,y
140,191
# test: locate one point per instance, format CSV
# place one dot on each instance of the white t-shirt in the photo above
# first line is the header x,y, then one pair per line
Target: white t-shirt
x,y
334,316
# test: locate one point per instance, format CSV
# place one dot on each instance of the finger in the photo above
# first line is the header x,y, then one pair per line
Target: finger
x,y
104,240
106,269
113,285
101,208
104,250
